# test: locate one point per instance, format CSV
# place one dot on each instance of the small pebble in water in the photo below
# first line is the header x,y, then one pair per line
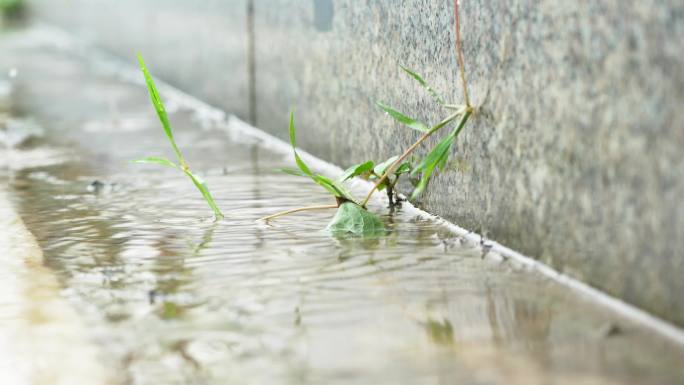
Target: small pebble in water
x,y
99,187
95,187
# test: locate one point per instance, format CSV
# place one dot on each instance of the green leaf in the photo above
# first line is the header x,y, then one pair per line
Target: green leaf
x,y
300,163
403,168
292,171
382,167
437,156
156,160
333,187
354,219
403,119
327,185
159,107
356,170
202,187
292,131
293,140
423,83
164,119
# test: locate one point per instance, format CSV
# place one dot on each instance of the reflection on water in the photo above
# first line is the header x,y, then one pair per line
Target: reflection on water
x,y
172,297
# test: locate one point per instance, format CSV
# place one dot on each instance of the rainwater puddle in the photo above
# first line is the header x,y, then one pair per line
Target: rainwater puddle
x,y
170,297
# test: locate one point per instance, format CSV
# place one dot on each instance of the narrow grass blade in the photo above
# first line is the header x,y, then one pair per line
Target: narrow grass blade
x,y
333,187
292,171
437,158
356,170
159,107
202,187
403,168
403,119
423,83
434,158
156,160
382,167
293,140
292,131
328,186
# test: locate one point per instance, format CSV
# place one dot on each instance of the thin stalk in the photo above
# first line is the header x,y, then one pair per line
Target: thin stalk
x,y
466,111
459,54
409,150
391,193
292,211
463,121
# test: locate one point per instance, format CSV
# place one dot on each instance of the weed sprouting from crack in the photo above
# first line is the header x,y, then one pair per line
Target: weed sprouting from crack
x,y
386,174
438,157
350,217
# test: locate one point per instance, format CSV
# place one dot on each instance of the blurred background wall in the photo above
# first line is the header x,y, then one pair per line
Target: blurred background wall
x,y
576,155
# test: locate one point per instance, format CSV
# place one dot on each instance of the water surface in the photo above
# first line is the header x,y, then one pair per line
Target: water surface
x,y
171,297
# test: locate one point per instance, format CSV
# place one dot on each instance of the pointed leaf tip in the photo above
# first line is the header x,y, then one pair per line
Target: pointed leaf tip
x,y
156,160
291,130
202,187
403,119
293,141
424,84
356,170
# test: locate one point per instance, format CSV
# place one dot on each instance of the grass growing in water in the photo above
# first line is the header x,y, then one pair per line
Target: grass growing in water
x,y
371,171
387,173
438,157
350,216
182,164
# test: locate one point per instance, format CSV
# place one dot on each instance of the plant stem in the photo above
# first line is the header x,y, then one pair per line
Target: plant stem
x,y
292,211
459,54
409,150
467,110
390,192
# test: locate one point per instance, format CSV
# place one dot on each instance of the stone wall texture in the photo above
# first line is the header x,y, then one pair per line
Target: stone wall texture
x,y
576,154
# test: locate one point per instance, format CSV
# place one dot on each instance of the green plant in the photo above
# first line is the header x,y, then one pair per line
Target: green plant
x,y
350,216
166,125
373,172
438,156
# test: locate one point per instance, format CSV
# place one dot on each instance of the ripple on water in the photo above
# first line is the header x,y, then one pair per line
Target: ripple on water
x,y
173,297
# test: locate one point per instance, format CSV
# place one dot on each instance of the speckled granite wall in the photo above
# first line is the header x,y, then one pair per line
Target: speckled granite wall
x,y
575,157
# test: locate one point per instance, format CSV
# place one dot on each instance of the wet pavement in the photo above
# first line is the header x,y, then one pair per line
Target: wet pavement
x,y
170,297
